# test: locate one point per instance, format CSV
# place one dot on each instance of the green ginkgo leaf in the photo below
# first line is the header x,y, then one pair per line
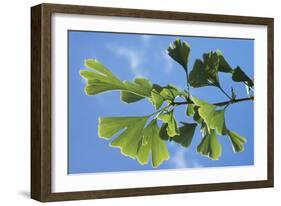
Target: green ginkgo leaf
x,y
214,119
131,135
190,110
156,98
161,94
223,64
205,73
237,141
179,51
152,144
101,79
239,76
210,146
136,90
170,92
168,117
184,138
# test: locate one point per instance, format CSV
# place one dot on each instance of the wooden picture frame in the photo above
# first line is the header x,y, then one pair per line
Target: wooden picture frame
x,y
41,101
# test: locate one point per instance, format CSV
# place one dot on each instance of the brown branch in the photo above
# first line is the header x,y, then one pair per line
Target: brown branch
x,y
218,103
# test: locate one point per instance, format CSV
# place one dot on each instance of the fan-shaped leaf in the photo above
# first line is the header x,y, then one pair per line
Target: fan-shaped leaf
x,y
237,141
223,64
179,51
152,144
210,146
101,80
172,128
213,118
131,135
239,76
184,138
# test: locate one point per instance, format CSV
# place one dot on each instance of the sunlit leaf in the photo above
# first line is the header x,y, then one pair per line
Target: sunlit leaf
x,y
136,91
213,118
210,146
237,141
239,76
179,51
190,110
100,79
172,128
161,94
170,92
154,145
156,99
131,132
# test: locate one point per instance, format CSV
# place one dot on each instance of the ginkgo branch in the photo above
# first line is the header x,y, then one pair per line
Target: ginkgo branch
x,y
218,103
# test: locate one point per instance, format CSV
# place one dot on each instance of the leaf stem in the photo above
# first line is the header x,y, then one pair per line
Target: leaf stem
x,y
158,111
187,82
222,90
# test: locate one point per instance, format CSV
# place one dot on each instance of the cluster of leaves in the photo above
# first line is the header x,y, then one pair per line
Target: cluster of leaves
x,y
140,136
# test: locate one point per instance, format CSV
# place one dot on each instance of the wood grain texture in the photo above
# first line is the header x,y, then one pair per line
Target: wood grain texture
x,y
41,115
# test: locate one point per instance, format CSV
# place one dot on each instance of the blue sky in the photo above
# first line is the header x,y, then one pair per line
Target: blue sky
x,y
134,55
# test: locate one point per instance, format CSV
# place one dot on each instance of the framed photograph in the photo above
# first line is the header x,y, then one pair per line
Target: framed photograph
x,y
130,102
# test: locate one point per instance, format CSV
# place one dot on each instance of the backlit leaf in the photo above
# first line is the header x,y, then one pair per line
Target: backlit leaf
x,y
179,51
136,91
184,138
213,118
131,132
153,145
223,64
210,146
100,79
237,141
239,76
156,99
172,128
205,73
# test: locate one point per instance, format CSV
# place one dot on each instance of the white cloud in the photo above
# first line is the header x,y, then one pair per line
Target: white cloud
x,y
168,62
179,159
146,39
133,57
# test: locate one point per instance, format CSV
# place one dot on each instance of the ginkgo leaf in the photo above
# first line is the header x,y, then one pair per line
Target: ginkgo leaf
x,y
214,119
179,51
237,141
154,145
130,97
136,91
100,79
184,138
205,73
168,117
170,92
210,146
161,94
156,99
131,135
239,76
190,110
223,64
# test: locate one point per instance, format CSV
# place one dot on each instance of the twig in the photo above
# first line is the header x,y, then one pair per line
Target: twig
x,y
218,103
